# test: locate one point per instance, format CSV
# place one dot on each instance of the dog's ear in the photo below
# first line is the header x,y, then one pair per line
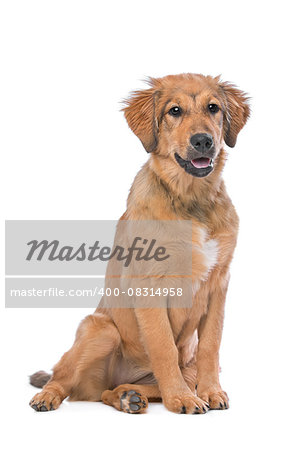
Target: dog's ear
x,y
236,114
141,117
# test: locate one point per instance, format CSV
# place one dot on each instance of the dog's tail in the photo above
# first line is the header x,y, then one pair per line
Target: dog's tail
x,y
39,379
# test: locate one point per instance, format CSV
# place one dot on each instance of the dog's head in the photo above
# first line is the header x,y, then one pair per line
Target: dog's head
x,y
187,118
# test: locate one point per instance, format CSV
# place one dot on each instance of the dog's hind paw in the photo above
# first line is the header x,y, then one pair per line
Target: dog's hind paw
x,y
133,402
127,400
45,401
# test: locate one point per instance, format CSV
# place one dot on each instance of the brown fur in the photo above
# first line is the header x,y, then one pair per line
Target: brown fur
x,y
126,357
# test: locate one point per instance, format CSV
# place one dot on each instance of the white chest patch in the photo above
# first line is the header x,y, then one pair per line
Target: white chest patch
x,y
208,248
210,251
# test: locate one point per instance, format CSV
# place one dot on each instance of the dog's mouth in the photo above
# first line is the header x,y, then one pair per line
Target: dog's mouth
x,y
198,167
201,163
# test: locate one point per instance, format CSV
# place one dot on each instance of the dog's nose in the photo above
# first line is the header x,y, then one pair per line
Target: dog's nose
x,y
202,142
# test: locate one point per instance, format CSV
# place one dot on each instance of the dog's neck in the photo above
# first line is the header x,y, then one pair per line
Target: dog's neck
x,y
182,185
162,189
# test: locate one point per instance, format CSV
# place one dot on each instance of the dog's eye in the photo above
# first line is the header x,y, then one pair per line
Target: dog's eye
x,y
175,111
213,108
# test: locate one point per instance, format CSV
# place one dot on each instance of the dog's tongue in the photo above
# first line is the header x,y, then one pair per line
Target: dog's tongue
x,y
200,162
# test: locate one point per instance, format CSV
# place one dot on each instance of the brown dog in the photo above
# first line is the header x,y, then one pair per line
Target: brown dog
x,y
126,357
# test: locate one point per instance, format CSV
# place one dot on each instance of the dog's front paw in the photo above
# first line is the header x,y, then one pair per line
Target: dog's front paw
x,y
216,398
185,403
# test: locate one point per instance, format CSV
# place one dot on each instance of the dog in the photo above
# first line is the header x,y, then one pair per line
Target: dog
x,y
126,357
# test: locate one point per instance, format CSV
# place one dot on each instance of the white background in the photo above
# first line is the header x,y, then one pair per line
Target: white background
x,y
67,153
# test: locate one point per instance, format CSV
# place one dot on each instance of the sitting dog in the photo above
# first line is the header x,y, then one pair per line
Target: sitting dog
x,y
126,357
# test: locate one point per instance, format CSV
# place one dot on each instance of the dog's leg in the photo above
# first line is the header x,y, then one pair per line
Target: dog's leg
x,y
163,354
81,372
210,334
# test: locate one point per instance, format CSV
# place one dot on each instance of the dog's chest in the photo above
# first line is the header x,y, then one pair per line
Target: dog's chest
x,y
205,253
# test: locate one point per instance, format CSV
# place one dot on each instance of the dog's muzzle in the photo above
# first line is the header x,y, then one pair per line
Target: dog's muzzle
x,y
200,156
